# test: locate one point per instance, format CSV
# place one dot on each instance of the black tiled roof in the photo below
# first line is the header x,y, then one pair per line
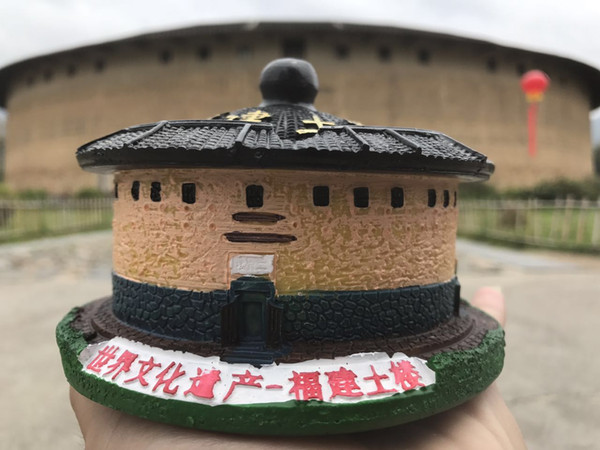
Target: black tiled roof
x,y
233,143
283,134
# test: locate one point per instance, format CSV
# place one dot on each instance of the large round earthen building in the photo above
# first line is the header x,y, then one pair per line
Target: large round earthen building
x,y
466,88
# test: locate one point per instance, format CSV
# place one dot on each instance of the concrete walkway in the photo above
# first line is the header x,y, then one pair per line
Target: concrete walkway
x,y
550,379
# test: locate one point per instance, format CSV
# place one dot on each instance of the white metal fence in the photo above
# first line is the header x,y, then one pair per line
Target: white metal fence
x,y
24,219
564,223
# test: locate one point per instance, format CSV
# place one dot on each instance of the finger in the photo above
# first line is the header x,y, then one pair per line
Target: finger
x,y
491,301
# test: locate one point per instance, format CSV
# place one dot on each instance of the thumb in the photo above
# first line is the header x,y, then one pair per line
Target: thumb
x,y
491,301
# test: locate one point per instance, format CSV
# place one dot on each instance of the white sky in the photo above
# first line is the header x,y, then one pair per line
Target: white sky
x,y
33,27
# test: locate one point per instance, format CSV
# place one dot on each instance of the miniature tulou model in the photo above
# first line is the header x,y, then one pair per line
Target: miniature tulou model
x,y
280,270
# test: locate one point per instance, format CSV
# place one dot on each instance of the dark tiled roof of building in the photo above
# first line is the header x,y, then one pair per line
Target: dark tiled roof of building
x,y
286,131
219,143
229,143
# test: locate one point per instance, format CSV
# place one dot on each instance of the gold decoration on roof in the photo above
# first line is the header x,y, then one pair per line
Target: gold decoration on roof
x,y
252,116
316,121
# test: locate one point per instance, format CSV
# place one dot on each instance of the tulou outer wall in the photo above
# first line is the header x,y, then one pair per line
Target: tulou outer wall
x,y
338,247
466,89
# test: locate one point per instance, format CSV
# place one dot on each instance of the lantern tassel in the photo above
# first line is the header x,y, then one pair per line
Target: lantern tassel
x,y
531,125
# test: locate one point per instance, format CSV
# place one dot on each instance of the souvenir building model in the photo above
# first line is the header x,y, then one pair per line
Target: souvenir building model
x,y
280,270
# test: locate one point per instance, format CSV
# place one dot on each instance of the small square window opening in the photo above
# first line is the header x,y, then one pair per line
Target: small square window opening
x,y
397,197
254,196
135,190
431,198
361,197
155,191
321,195
188,193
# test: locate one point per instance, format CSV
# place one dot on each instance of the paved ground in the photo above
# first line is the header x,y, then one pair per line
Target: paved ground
x,y
550,379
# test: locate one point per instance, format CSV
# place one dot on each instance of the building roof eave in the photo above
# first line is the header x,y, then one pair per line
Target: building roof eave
x,y
589,73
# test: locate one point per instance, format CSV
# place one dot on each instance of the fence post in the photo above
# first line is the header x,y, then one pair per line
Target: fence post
x,y
581,220
566,223
596,225
536,217
554,221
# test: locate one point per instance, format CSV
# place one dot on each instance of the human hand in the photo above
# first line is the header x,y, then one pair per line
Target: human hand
x,y
483,423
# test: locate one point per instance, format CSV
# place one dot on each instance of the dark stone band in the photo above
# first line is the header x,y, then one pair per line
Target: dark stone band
x,y
313,316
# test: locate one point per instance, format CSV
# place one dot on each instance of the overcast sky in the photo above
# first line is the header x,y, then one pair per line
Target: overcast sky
x,y
568,28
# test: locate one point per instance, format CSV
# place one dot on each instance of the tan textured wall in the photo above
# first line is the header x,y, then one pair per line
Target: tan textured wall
x,y
454,93
339,247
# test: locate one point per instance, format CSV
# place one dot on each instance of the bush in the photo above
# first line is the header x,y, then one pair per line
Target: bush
x,y
32,194
6,192
89,193
478,190
546,190
560,188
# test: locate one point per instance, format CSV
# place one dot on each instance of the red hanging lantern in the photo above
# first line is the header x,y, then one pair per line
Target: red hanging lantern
x,y
534,83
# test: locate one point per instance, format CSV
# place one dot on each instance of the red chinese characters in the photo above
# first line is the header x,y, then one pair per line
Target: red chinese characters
x,y
376,378
162,375
121,365
343,383
244,379
204,383
146,366
103,357
306,385
405,375
166,382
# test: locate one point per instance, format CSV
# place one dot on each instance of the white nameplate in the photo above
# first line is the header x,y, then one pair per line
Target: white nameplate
x,y
252,264
187,377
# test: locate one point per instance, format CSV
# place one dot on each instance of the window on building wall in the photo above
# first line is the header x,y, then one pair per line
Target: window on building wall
x,y
521,69
361,197
455,199
116,190
188,193
424,56
99,65
446,198
71,70
203,53
165,56
293,48
48,75
342,51
384,53
155,189
254,196
431,198
321,195
135,190
491,65
397,197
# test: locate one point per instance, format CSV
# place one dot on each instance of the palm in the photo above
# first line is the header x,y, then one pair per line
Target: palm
x,y
482,423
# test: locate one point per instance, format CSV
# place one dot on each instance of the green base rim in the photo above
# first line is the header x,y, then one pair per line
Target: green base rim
x,y
460,375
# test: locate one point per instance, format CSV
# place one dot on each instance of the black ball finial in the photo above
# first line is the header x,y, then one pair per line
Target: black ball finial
x,y
289,80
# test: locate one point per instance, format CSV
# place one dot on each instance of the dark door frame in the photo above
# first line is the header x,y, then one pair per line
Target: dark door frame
x,y
231,314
